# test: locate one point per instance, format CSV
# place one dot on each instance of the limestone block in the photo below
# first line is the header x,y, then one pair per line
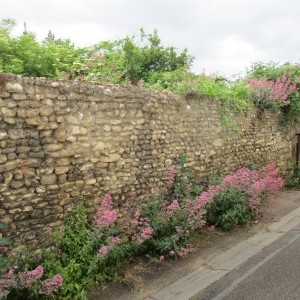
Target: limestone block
x,y
55,84
11,103
46,111
14,87
67,152
27,208
71,139
86,167
94,98
75,130
6,112
168,162
33,154
40,189
16,133
3,158
4,95
8,176
82,130
52,125
14,211
19,97
10,165
90,181
52,95
61,170
7,219
73,120
48,179
3,134
60,134
35,121
62,162
88,121
116,128
53,147
106,128
99,146
44,171
218,143
10,120
39,97
31,113
110,158
102,166
22,149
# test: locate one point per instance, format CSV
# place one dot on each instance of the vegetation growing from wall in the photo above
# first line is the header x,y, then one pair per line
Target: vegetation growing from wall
x,y
143,60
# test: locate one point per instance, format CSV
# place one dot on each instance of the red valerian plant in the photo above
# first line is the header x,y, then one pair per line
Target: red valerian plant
x,y
266,93
259,186
163,227
29,280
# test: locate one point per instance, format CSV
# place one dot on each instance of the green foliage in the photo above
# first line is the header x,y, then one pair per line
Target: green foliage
x,y
165,238
128,60
293,179
183,187
140,60
272,72
25,56
3,243
228,209
73,255
251,166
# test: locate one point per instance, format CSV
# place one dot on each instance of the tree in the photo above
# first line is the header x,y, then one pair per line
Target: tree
x,y
137,61
6,53
127,59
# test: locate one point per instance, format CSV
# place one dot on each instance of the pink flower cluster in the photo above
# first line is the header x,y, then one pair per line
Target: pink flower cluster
x,y
173,206
102,251
105,215
196,209
259,186
24,280
171,176
141,229
111,243
183,252
277,91
52,285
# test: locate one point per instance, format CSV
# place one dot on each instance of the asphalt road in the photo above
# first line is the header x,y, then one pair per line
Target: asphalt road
x,y
272,274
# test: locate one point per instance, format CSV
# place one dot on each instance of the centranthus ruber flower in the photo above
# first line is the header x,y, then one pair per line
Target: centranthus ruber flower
x,y
102,251
106,215
277,91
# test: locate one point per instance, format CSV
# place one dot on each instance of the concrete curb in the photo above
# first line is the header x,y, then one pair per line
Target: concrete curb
x,y
189,286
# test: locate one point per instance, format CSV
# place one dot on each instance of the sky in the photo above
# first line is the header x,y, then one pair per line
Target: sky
x,y
225,36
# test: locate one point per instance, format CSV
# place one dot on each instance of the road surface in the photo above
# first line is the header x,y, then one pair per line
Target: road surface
x,y
272,274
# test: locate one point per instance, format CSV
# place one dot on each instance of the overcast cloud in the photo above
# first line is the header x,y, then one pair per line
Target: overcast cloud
x,y
225,36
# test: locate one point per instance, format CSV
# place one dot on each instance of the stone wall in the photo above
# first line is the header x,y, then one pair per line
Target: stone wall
x,y
61,141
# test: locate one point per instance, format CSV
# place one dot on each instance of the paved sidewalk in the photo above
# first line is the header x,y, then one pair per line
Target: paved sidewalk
x,y
189,286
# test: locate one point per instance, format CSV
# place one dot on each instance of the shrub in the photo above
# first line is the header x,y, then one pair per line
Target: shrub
x,y
16,284
271,93
293,179
228,209
243,195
